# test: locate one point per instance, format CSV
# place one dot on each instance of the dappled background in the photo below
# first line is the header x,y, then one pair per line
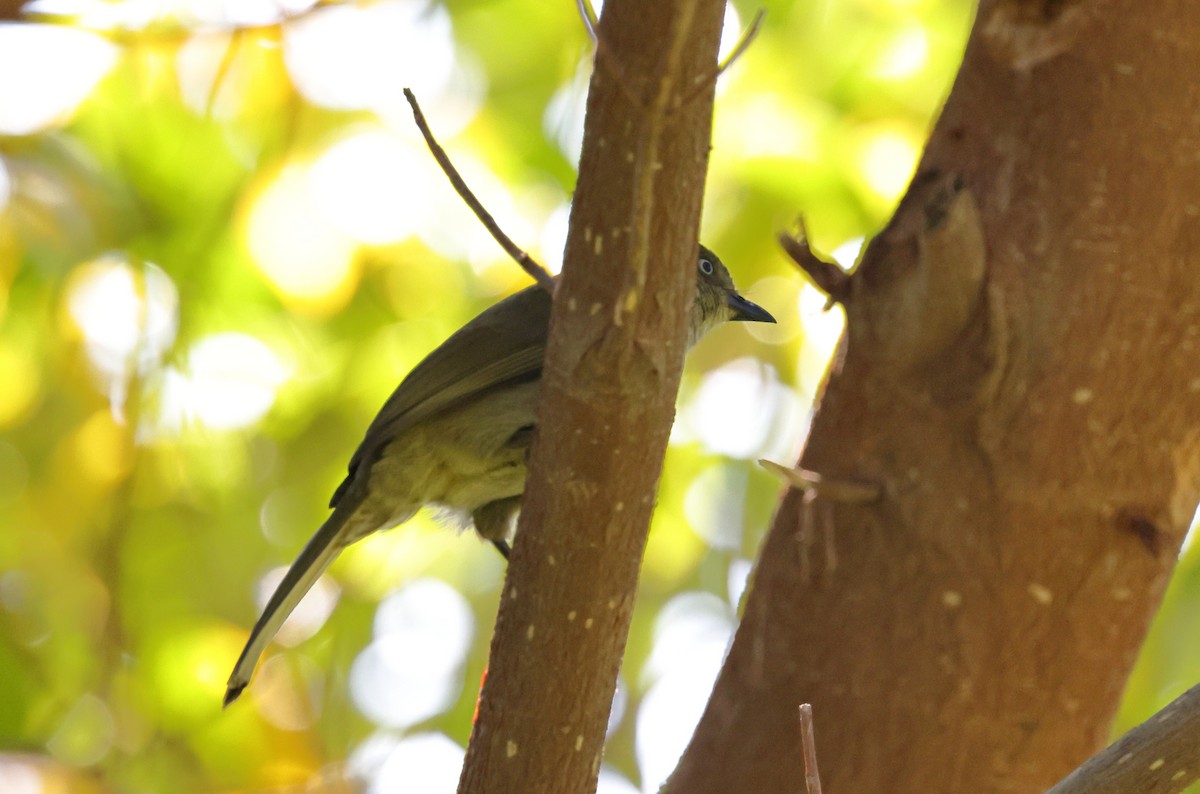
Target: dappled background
x,y
222,243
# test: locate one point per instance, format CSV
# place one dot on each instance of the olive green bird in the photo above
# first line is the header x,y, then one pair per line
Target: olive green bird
x,y
455,435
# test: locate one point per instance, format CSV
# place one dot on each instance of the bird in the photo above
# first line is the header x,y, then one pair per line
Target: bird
x,y
455,435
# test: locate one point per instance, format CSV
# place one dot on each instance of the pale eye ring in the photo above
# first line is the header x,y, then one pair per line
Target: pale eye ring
x,y
706,267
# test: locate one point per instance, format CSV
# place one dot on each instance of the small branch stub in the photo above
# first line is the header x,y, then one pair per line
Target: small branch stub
x,y
808,743
842,491
826,276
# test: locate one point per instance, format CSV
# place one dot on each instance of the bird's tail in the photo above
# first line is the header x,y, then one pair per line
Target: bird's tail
x,y
320,551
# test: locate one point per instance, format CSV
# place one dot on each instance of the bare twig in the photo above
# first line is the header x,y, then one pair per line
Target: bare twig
x,y
588,14
743,43
841,491
1160,755
828,277
808,741
227,59
527,263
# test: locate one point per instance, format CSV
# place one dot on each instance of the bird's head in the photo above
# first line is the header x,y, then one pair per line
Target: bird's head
x,y
717,299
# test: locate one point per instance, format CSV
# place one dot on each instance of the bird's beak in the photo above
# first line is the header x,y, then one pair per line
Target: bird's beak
x,y
745,311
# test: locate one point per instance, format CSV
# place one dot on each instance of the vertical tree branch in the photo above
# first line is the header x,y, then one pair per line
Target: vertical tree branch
x,y
612,371
1019,374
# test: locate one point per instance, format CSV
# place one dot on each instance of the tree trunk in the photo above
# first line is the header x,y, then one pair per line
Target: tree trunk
x,y
1021,377
618,332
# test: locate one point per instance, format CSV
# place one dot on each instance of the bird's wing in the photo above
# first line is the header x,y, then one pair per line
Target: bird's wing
x,y
503,345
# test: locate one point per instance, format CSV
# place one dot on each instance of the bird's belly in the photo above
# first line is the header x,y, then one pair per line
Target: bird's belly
x,y
500,480
428,467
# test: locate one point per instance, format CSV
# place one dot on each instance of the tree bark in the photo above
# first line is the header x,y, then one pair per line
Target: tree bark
x,y
618,333
1019,376
1159,756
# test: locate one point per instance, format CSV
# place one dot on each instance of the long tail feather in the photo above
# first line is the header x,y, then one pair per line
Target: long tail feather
x,y
320,551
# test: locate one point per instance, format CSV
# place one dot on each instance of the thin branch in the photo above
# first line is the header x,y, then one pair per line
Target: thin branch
x,y
841,491
588,14
826,276
223,68
808,741
1160,755
527,263
743,44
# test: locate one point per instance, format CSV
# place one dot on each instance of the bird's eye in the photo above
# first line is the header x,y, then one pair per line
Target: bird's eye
x,y
706,267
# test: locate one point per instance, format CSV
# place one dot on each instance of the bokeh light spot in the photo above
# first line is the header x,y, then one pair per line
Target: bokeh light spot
x,y
309,262
358,56
22,384
102,448
232,380
189,668
128,317
714,505
5,185
905,55
424,763
372,186
691,636
281,691
612,782
743,411
86,733
245,13
49,70
889,156
413,669
822,330
19,776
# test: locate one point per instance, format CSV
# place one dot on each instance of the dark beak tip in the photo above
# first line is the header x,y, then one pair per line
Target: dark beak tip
x,y
745,311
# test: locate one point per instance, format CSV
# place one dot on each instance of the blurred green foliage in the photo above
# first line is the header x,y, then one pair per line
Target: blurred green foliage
x,y
217,259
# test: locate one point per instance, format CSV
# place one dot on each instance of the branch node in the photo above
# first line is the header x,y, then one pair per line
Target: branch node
x,y
816,486
825,276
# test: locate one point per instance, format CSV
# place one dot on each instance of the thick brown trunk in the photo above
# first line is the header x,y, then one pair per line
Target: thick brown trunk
x,y
612,372
1037,440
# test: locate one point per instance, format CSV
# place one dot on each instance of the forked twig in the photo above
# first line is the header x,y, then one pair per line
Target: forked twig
x,y
527,263
808,742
